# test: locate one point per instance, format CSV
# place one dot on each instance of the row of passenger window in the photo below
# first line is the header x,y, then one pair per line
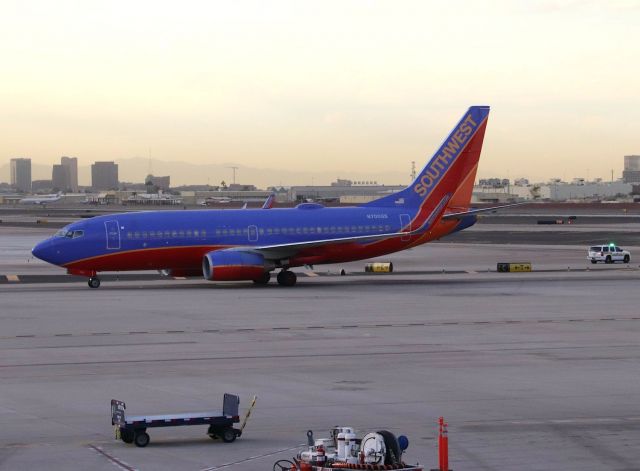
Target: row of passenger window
x,y
306,230
167,234
195,233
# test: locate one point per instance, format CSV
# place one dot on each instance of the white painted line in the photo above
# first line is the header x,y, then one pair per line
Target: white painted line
x,y
252,458
112,459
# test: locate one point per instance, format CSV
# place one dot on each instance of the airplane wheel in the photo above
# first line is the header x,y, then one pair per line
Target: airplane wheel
x,y
94,282
287,278
264,279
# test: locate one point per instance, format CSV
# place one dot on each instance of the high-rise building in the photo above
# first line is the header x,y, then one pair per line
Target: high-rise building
x,y
61,178
104,176
72,164
631,172
21,174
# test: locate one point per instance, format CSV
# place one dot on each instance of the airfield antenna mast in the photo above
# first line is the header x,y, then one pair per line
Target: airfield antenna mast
x,y
234,173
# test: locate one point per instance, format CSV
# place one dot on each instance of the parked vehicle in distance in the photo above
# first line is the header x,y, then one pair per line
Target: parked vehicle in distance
x,y
608,254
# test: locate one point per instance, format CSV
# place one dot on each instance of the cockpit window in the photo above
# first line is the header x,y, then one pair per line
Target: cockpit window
x,y
69,234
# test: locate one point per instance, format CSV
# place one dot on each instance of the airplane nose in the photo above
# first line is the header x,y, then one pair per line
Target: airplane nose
x,y
37,251
41,251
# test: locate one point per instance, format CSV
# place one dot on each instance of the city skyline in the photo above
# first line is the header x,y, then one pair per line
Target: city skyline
x,y
339,87
135,170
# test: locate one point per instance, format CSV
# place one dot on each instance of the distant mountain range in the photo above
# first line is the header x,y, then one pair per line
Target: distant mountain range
x,y
183,173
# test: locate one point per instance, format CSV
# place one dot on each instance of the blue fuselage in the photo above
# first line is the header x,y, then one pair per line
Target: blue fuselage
x,y
135,233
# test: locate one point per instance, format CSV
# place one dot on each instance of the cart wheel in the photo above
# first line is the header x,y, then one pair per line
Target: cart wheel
x,y
283,465
228,435
213,432
126,435
141,439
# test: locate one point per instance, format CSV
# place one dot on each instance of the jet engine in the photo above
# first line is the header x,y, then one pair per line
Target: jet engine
x,y
233,265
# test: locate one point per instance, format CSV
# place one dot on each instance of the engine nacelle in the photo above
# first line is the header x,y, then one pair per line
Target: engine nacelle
x,y
233,265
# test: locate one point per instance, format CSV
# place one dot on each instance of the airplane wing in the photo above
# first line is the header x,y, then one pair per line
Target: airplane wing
x,y
282,251
461,214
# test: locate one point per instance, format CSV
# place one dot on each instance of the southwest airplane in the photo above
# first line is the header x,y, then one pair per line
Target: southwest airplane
x,y
248,244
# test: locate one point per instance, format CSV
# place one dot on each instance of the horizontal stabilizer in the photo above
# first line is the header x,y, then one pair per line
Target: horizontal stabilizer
x,y
462,214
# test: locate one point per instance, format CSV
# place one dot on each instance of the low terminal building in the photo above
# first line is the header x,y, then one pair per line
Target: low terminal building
x,y
494,196
589,190
152,199
555,190
132,198
342,191
10,198
211,197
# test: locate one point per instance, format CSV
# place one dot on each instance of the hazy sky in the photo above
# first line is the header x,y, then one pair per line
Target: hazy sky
x,y
334,86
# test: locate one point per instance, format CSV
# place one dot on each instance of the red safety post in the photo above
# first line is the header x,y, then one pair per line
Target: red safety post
x,y
443,445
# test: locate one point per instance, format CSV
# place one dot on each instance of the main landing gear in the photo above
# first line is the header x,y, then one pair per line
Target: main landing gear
x,y
94,282
287,278
264,279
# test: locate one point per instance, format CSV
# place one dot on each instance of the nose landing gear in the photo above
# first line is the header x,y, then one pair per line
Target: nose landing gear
x,y
94,282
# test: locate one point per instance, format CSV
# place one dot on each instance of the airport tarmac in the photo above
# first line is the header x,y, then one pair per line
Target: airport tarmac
x,y
533,371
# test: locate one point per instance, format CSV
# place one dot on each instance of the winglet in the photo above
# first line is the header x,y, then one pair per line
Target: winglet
x,y
268,203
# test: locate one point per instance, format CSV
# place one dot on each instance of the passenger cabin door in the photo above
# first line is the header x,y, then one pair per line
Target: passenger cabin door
x,y
405,224
113,235
253,233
